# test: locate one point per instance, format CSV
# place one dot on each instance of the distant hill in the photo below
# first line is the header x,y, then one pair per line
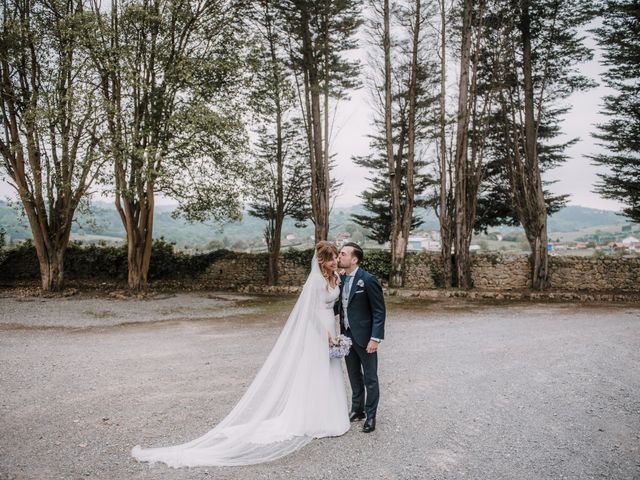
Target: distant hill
x,y
573,218
104,224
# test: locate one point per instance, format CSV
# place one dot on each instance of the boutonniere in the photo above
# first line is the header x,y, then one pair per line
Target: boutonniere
x,y
360,283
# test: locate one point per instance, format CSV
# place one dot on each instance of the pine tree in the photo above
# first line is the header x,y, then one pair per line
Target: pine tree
x,y
377,199
537,74
403,84
280,180
619,37
319,32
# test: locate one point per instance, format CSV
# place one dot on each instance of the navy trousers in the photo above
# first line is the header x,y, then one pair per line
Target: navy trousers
x,y
362,368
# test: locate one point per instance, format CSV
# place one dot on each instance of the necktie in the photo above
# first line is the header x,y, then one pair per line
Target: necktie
x,y
347,286
345,298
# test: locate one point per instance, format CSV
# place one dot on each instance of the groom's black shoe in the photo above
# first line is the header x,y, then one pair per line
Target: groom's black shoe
x,y
356,416
369,425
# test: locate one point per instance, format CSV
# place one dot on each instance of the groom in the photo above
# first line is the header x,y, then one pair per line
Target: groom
x,y
362,314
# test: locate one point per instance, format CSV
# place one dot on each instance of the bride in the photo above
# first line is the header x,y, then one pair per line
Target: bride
x,y
298,394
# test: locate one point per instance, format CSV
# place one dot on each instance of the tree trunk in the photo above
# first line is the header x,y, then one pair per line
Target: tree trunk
x,y
53,279
398,241
445,212
138,222
273,237
319,170
402,225
536,225
321,195
463,263
275,241
539,260
51,261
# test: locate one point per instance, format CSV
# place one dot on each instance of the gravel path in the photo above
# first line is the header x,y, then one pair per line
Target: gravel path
x,y
468,390
88,311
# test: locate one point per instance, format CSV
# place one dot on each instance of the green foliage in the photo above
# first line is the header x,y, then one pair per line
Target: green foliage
x,y
20,262
53,122
180,87
92,260
620,134
378,263
109,263
513,237
300,257
281,178
319,33
557,50
377,199
3,253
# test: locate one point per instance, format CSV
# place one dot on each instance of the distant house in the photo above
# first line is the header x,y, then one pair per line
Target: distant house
x,y
421,243
556,247
616,245
630,239
629,243
632,243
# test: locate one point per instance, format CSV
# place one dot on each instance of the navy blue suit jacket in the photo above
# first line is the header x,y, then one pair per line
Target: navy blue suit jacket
x,y
366,310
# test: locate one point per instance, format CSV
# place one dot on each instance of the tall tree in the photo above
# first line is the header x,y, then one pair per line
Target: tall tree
x,y
444,204
543,48
403,87
461,150
51,121
476,95
280,185
280,180
319,33
620,134
169,74
495,201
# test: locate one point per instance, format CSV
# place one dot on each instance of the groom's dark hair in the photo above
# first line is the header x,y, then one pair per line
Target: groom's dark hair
x,y
357,251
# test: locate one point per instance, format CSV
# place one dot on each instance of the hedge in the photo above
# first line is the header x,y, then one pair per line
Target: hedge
x,y
110,262
106,262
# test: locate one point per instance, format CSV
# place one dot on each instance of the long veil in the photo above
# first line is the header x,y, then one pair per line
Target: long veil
x,y
269,421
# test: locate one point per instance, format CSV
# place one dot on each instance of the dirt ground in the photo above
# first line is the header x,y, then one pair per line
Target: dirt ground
x,y
468,390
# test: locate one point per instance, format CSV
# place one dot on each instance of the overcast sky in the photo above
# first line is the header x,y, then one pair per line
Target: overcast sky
x,y
576,177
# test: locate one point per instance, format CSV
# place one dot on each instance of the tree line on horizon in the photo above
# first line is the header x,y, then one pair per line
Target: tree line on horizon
x,y
215,103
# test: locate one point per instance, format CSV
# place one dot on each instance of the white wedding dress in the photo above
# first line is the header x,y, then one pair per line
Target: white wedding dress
x,y
298,394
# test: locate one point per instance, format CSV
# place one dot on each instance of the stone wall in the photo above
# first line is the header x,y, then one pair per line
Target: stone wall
x,y
424,271
500,272
492,271
246,269
597,274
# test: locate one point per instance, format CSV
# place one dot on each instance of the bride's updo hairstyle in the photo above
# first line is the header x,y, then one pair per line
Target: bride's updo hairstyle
x,y
325,251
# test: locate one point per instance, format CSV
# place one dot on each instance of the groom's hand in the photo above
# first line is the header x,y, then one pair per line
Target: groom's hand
x,y
372,346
